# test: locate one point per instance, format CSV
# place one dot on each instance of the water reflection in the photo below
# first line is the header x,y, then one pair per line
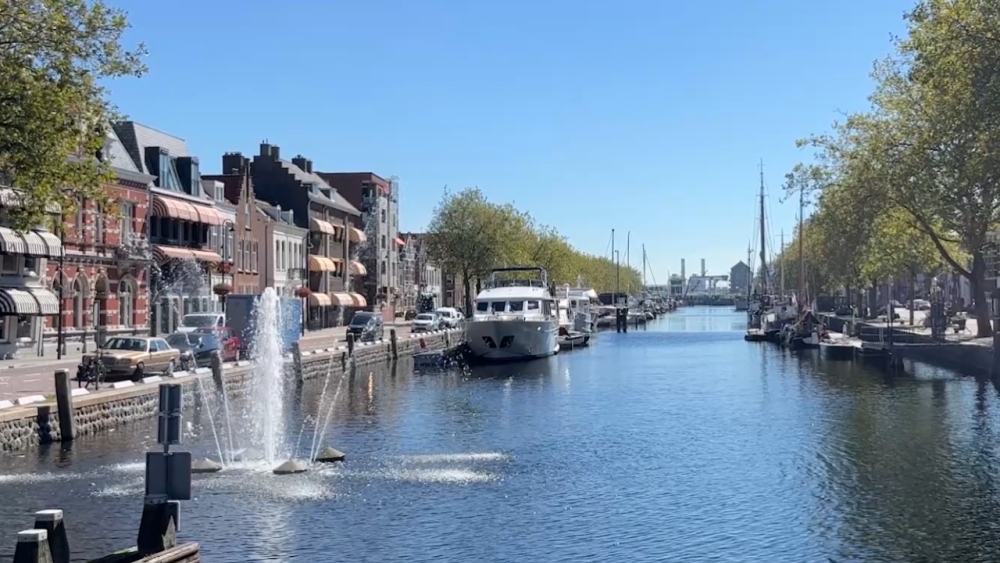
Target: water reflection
x,y
680,442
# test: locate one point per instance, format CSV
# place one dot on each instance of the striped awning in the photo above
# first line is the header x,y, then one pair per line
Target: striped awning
x,y
358,269
357,235
186,211
162,253
29,301
32,243
359,300
321,226
319,300
11,242
9,197
342,299
321,264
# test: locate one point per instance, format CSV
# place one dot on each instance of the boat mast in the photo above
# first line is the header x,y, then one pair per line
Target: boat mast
x,y
628,261
644,267
750,277
763,238
614,262
802,262
782,251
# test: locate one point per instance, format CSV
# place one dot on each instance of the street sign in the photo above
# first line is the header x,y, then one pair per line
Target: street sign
x,y
168,475
168,430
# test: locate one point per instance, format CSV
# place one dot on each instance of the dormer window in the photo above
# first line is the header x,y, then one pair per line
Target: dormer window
x,y
325,192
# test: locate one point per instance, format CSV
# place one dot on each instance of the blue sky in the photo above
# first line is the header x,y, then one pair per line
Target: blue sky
x,y
642,116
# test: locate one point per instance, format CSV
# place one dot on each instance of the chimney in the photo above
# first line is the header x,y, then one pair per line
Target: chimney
x,y
301,162
309,166
270,151
233,163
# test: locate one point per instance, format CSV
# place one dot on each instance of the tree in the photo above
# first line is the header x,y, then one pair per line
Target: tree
x,y
469,235
465,236
54,56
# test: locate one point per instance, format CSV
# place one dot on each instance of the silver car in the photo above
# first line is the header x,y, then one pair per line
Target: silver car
x,y
425,322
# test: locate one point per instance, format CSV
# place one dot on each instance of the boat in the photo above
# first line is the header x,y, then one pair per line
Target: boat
x,y
832,348
515,317
569,340
741,303
582,304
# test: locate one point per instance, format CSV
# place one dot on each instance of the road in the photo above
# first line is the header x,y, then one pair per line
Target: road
x,y
19,378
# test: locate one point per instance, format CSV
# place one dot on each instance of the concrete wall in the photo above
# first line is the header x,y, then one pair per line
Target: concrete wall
x,y
25,426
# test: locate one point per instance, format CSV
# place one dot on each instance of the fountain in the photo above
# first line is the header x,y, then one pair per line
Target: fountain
x,y
269,377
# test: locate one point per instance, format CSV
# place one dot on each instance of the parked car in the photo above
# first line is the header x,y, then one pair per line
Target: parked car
x,y
921,305
194,321
450,317
196,348
425,322
132,356
232,347
366,326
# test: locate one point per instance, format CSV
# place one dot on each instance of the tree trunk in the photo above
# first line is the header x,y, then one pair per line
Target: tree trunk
x,y
873,299
980,296
913,290
467,286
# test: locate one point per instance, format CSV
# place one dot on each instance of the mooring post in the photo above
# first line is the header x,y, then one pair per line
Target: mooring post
x,y
52,522
350,344
297,361
393,343
64,406
32,547
216,364
447,339
157,529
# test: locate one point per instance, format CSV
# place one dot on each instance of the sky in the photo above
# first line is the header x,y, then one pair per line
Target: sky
x,y
646,117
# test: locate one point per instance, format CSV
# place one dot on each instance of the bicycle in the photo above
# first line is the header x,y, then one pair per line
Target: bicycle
x,y
91,371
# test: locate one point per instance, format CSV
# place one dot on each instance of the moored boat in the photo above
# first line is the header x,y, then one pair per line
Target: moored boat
x,y
514,319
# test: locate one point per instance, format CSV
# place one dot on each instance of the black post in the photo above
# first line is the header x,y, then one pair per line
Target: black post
x,y
59,273
64,405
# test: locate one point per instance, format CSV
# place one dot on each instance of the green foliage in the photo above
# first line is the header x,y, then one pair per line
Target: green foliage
x,y
54,56
917,177
469,235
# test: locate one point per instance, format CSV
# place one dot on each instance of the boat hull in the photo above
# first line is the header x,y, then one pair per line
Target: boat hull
x,y
508,340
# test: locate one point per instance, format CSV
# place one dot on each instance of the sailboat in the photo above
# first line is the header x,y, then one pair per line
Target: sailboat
x,y
807,331
767,314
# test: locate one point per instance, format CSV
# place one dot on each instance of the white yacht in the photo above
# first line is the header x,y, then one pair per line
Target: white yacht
x,y
582,303
515,319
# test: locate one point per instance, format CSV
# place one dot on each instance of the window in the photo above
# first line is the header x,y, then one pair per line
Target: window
x,y
532,305
23,327
230,244
546,308
99,226
253,259
383,215
516,306
383,267
383,241
11,264
78,303
498,306
127,211
126,302
239,255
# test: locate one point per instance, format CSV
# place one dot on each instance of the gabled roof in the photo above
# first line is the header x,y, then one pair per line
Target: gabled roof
x,y
335,200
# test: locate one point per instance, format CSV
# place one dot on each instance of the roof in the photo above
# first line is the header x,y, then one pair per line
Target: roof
x,y
135,137
335,200
116,154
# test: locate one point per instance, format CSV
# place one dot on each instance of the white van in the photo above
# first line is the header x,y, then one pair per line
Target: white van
x,y
450,316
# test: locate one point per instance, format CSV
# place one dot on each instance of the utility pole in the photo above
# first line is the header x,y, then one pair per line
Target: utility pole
x,y
802,263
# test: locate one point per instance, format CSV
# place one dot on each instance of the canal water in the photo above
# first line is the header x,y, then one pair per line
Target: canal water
x,y
680,442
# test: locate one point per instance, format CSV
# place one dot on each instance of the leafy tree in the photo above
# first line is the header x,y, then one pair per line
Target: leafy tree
x,y
469,235
54,56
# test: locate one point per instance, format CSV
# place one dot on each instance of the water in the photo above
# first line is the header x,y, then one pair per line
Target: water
x,y
678,443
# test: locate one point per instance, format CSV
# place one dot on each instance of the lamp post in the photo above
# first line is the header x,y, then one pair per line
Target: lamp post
x,y
305,281
226,265
59,274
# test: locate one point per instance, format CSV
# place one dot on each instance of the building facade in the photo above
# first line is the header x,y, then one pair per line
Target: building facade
x,y
421,281
181,221
378,201
740,277
285,243
102,277
334,237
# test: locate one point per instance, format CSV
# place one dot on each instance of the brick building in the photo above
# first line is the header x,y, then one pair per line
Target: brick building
x,y
103,277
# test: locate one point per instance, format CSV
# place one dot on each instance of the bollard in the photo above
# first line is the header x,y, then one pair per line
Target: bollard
x,y
157,528
64,406
393,343
216,364
297,362
52,522
32,547
447,340
350,344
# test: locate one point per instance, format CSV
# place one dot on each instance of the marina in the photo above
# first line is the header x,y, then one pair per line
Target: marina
x,y
433,458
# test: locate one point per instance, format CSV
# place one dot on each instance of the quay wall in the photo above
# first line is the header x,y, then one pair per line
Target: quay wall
x,y
121,403
968,357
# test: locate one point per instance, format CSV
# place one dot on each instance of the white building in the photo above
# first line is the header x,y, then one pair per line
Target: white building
x,y
287,251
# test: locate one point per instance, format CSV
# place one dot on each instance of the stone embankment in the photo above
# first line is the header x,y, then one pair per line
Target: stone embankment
x,y
972,356
34,420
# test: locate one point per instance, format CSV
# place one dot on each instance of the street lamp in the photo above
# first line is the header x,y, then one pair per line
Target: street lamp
x,y
62,281
223,290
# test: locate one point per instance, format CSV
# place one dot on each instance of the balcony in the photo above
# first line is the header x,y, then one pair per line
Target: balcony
x,y
295,273
134,247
